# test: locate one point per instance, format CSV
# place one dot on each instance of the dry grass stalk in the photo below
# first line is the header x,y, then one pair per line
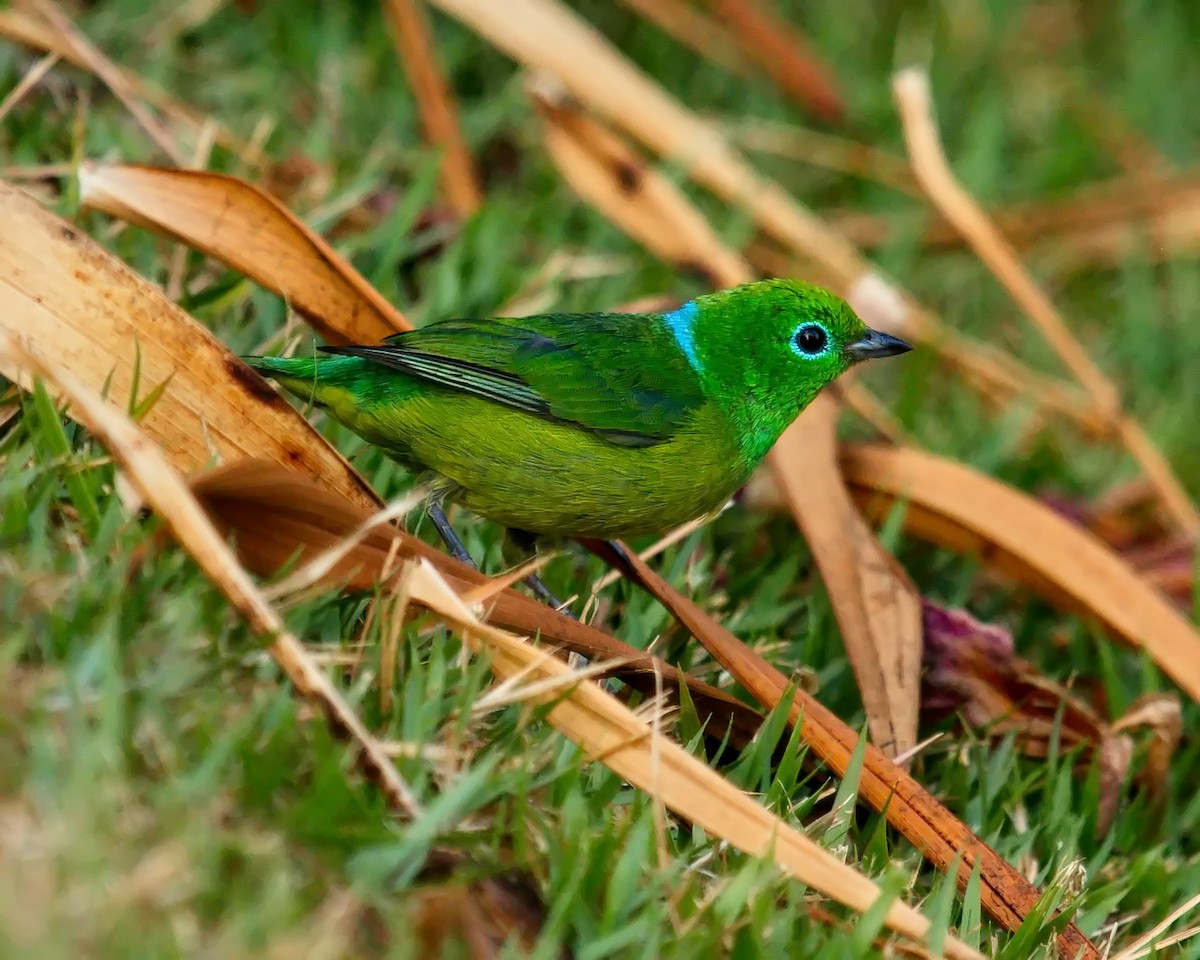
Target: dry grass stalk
x,y
167,493
932,171
784,55
439,115
630,747
822,150
1146,944
33,76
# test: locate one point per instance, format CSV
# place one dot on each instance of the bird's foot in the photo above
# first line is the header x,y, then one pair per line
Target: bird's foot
x,y
441,523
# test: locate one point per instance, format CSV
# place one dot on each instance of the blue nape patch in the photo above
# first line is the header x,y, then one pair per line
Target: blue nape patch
x,y
681,323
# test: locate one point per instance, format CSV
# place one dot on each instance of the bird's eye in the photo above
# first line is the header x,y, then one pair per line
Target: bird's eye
x,y
811,340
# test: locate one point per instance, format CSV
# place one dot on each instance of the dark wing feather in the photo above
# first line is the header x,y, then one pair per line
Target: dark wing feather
x,y
618,375
456,374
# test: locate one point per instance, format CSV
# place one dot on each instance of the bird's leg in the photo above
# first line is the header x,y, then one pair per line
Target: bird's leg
x,y
442,525
522,538
528,542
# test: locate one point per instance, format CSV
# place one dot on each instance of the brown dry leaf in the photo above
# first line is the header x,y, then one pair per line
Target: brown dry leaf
x,y
68,298
168,494
963,510
877,608
254,234
1162,715
637,752
277,516
1164,558
974,670
940,836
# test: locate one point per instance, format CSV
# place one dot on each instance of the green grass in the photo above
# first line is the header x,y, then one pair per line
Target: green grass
x,y
162,793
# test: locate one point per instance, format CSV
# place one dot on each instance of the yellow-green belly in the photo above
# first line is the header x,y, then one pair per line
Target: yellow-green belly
x,y
552,478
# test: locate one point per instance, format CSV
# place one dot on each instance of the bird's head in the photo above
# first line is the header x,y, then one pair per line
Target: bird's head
x,y
771,347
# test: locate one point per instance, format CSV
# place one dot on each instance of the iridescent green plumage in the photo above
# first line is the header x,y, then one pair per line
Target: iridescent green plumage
x,y
601,425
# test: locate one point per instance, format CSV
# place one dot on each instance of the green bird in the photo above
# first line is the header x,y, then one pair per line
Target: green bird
x,y
598,425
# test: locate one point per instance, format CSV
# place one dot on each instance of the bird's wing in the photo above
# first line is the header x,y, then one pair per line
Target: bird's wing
x,y
619,375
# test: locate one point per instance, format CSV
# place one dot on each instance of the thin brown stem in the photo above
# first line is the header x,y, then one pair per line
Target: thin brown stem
x,y
439,115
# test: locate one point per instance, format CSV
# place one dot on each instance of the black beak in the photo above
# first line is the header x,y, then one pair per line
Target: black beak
x,y
875,345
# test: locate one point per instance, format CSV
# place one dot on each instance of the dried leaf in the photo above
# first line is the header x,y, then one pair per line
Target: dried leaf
x,y
253,233
974,670
877,606
956,507
1162,715
68,298
1166,559
930,827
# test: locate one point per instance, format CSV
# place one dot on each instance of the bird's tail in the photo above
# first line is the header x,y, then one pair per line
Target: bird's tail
x,y
298,375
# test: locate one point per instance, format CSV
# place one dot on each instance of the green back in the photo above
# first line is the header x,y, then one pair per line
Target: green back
x,y
619,375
